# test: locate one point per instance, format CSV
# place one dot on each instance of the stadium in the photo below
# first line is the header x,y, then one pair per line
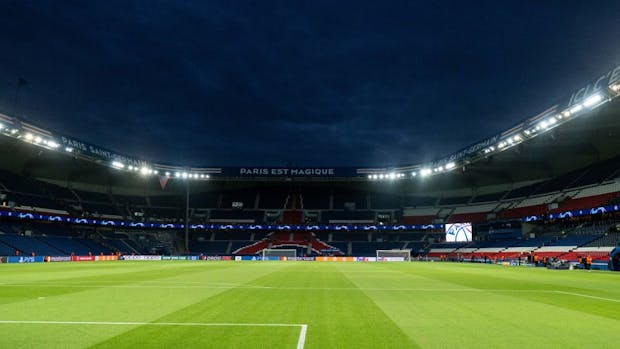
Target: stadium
x,y
486,227
280,174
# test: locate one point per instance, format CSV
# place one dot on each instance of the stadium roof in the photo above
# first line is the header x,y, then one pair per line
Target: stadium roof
x,y
574,133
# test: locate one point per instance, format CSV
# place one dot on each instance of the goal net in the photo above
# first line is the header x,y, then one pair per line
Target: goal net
x,y
271,254
394,255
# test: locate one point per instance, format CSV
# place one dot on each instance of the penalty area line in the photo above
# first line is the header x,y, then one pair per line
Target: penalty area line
x,y
301,341
587,296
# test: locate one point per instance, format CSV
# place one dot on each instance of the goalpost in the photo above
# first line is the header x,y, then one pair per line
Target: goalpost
x,y
278,253
394,255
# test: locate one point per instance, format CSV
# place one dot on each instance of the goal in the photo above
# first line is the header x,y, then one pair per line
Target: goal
x,y
394,255
270,254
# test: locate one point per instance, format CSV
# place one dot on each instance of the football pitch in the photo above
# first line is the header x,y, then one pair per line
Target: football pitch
x,y
191,304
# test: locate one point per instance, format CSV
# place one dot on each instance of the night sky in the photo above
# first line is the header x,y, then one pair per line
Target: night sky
x,y
313,83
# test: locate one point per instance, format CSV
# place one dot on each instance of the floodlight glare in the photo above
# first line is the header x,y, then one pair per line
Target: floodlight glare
x,y
1,127
575,109
37,139
29,136
177,174
53,144
392,175
425,172
69,150
184,174
13,131
118,165
450,165
144,170
592,100
616,87
413,174
167,174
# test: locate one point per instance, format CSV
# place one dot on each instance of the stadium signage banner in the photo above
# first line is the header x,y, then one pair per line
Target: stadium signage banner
x,y
97,152
610,78
473,149
180,258
131,224
575,213
82,258
106,258
141,258
25,259
289,172
59,259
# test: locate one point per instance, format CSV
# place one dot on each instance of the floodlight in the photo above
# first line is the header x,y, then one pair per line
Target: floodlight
x,y
13,131
516,138
69,149
177,174
413,174
167,174
450,165
1,127
392,175
425,172
592,100
37,139
616,87
144,170
184,174
118,165
28,136
576,108
53,144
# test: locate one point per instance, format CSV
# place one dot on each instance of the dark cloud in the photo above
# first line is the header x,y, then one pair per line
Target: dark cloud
x,y
315,83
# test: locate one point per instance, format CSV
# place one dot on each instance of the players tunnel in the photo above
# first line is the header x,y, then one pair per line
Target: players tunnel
x,y
614,259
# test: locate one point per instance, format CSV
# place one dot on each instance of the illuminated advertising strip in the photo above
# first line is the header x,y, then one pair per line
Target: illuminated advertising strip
x,y
82,258
106,258
140,258
259,227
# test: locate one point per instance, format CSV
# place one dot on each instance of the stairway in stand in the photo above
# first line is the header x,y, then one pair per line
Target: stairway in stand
x,y
293,210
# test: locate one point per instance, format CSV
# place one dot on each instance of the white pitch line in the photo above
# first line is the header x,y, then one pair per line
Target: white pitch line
x,y
588,296
300,341
302,337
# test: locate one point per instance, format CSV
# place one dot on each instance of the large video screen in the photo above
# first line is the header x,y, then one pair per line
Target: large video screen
x,y
458,232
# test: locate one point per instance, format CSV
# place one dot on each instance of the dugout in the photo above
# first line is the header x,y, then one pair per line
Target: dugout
x,y
614,259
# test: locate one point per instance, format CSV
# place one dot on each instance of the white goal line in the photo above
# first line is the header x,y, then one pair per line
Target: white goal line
x,y
303,328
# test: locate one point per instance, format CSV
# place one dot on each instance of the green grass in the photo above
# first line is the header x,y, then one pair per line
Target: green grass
x,y
344,305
